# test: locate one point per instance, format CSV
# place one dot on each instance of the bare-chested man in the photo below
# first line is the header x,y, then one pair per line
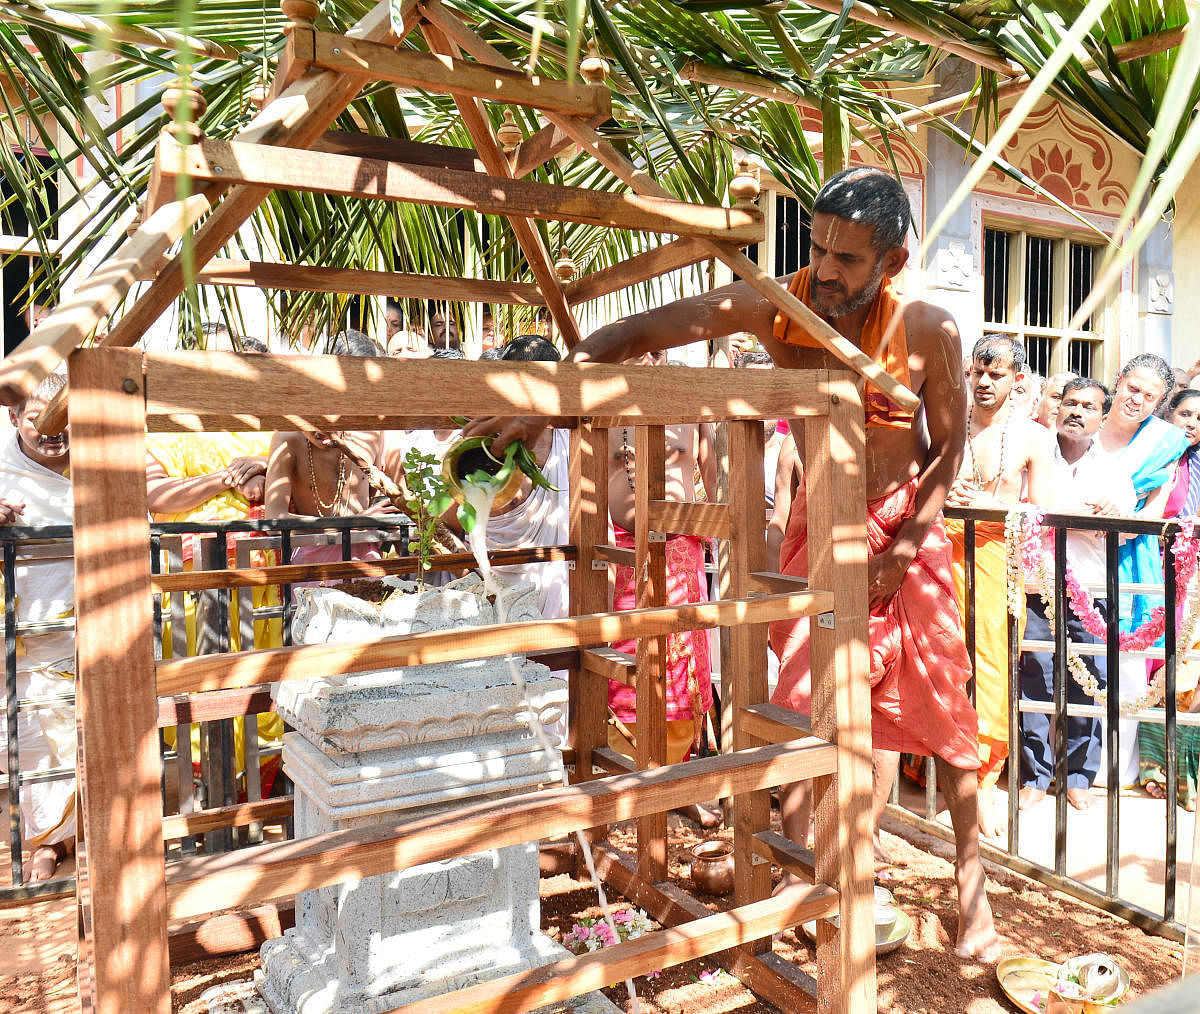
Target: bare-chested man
x,y
1008,454
860,220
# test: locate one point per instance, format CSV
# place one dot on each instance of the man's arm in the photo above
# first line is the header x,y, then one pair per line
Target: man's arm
x,y
1040,475
788,476
706,458
281,466
168,495
936,352
11,511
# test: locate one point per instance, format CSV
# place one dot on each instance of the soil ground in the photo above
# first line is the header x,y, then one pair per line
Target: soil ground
x,y
37,969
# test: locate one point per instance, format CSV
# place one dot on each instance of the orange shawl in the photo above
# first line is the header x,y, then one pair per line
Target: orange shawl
x,y
880,410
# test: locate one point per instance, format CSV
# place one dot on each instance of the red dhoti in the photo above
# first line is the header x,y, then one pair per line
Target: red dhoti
x,y
919,663
689,670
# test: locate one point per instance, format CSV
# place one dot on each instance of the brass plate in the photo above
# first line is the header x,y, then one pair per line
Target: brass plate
x,y
1023,977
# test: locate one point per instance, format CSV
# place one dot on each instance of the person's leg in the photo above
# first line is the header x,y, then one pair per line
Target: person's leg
x,y
1083,734
885,764
976,931
795,812
44,860
1037,676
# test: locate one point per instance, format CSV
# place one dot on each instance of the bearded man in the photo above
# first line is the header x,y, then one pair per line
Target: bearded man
x,y
919,661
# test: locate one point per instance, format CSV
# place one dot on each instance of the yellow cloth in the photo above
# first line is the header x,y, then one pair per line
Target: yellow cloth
x,y
681,734
991,637
190,455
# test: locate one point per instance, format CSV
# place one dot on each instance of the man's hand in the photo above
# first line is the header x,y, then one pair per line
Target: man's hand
x,y
962,494
253,489
10,511
1103,508
241,470
382,508
885,571
525,428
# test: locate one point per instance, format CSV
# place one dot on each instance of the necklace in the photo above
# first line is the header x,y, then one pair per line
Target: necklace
x,y
333,506
980,482
625,455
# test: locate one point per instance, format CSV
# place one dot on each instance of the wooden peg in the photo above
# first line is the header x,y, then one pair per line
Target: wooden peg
x,y
260,93
594,67
183,98
301,13
744,187
509,134
135,223
564,267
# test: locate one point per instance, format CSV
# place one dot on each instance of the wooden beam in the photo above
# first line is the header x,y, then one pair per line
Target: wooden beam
x,y
283,869
769,723
228,933
776,980
766,582
395,284
444,75
614,763
186,709
180,825
579,974
537,149
609,663
641,183
346,176
704,520
786,854
619,556
750,84
671,256
257,577
252,668
176,382
398,149
233,422
299,116
121,808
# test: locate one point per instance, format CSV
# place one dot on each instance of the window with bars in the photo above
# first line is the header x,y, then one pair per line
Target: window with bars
x,y
1032,286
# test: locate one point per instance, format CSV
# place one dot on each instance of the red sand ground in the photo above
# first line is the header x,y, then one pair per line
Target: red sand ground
x,y
922,977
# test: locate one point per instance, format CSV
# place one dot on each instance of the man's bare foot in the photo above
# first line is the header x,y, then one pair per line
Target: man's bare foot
x,y
708,817
991,823
976,932
1155,791
887,869
1081,799
1030,795
44,861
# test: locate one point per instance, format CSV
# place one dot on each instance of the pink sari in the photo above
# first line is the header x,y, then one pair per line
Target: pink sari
x,y
919,662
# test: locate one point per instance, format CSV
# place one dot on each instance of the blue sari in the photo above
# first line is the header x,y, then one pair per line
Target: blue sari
x,y
1148,458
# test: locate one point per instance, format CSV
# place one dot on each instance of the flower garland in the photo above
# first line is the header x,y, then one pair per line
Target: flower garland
x,y
1027,544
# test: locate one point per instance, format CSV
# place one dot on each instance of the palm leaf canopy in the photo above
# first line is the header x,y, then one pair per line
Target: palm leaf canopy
x,y
60,64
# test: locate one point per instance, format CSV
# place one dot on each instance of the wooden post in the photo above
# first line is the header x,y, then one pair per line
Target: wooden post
x,y
587,695
745,684
841,703
650,482
121,805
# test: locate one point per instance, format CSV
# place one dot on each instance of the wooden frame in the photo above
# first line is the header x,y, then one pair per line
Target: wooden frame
x,y
120,393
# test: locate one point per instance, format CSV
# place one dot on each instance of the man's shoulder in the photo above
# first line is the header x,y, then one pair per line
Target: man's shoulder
x,y
925,321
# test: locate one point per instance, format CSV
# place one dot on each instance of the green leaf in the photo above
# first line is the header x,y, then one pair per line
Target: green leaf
x,y
466,517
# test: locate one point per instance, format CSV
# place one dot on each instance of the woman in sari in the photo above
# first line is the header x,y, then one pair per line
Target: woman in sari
x,y
1183,500
1147,449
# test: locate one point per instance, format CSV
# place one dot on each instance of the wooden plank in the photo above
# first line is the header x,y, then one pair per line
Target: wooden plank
x,y
186,709
588,591
233,422
704,520
620,556
769,723
579,974
529,239
769,582
298,116
252,668
841,706
746,685
266,166
445,75
665,903
398,149
180,383
394,284
538,149
122,805
74,319
609,663
614,763
283,869
292,573
650,482
776,980
238,815
786,854
229,933
671,256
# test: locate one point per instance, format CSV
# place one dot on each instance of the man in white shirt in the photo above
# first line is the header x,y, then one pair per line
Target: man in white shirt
x,y
1086,481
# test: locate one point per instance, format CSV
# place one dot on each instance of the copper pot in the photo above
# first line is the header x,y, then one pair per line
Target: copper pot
x,y
712,866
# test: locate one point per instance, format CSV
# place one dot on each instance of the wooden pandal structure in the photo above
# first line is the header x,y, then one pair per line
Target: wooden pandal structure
x,y
127,896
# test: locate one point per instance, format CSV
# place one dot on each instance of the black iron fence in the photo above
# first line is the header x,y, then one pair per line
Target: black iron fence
x,y
996,612
203,621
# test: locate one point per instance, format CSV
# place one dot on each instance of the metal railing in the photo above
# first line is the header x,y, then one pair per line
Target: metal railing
x,y
1162,922
214,632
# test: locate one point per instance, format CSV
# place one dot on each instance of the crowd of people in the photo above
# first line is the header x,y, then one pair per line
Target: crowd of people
x,y
990,433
